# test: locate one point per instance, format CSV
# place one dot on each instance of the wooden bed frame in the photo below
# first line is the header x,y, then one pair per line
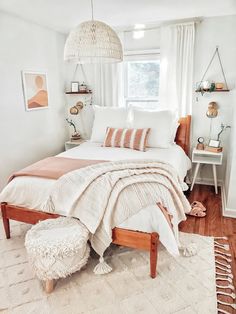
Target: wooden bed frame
x,y
129,238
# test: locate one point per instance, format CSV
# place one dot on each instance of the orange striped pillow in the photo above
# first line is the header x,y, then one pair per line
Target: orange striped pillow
x,y
128,138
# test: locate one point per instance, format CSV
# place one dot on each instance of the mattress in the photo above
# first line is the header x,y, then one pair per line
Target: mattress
x,y
32,192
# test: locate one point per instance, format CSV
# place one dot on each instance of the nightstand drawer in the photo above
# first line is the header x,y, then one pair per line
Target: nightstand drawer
x,y
206,157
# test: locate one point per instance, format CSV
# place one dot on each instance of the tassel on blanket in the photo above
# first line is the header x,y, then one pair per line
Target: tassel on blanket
x,y
102,268
189,250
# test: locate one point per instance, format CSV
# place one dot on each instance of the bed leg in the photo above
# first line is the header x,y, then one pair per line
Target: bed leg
x,y
6,222
153,254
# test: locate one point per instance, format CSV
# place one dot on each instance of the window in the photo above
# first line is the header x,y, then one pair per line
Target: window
x,y
142,74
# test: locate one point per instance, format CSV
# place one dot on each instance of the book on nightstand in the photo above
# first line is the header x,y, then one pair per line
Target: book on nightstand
x,y
214,149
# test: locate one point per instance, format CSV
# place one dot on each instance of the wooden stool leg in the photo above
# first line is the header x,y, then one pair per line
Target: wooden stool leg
x,y
153,254
49,285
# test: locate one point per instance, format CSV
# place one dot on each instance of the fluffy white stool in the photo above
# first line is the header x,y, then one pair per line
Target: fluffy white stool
x,y
57,248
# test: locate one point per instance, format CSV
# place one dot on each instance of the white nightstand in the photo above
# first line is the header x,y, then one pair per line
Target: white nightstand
x,y
204,157
72,144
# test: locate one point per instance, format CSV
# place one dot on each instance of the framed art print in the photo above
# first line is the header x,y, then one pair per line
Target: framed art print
x,y
74,87
214,143
35,90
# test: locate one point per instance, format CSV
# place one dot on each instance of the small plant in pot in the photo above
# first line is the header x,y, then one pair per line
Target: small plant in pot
x,y
75,136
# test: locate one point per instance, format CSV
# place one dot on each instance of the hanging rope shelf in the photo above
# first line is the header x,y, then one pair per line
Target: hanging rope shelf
x,y
206,86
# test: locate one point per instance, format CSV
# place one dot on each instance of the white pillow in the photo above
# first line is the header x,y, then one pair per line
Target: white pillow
x,y
107,117
162,124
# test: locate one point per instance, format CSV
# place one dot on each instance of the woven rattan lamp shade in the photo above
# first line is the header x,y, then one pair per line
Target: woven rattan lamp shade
x,y
93,42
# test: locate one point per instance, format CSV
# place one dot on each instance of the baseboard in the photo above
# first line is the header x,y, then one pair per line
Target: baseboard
x,y
226,212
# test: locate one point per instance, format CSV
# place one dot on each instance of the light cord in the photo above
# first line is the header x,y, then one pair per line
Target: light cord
x,y
92,9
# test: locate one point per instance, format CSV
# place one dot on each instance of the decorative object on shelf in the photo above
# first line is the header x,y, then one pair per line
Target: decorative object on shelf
x,y
74,87
207,86
219,85
83,87
212,111
75,136
77,108
200,144
93,42
35,90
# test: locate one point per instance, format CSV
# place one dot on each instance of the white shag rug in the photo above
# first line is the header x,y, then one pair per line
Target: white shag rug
x,y
184,285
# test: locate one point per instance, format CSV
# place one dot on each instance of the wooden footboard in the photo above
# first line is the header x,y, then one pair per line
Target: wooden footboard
x,y
124,237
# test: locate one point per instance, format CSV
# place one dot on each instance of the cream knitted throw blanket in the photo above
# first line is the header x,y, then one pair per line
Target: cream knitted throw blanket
x,y
104,195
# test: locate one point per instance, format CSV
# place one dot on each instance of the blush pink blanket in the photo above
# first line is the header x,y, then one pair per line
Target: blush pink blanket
x,y
53,167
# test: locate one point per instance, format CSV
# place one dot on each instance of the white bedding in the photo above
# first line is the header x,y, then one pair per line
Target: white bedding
x,y
32,192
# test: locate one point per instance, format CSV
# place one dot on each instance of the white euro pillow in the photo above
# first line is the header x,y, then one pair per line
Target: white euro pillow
x,y
163,125
107,117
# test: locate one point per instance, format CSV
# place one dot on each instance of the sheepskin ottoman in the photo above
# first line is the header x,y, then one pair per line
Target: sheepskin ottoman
x,y
57,248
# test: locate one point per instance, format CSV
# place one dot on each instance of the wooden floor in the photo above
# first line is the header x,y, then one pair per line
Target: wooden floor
x,y
214,224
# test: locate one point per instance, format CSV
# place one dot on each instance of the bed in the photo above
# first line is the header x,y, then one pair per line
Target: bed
x,y
18,207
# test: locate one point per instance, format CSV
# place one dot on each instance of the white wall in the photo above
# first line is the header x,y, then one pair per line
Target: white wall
x,y
230,180
210,33
150,40
26,137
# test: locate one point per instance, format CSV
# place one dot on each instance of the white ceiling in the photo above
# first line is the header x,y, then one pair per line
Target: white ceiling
x,y
62,15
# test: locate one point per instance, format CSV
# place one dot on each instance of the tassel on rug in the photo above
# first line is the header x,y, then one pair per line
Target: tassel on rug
x,y
102,267
223,263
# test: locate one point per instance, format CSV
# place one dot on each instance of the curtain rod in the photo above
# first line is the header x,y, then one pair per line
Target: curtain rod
x,y
196,21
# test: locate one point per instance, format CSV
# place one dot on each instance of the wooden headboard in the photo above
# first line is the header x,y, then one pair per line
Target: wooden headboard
x,y
183,134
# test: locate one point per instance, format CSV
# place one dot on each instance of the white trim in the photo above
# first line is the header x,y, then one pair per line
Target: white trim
x,y
226,212
142,52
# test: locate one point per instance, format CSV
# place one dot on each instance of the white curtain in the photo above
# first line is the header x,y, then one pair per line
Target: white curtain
x,y
108,83
108,89
176,74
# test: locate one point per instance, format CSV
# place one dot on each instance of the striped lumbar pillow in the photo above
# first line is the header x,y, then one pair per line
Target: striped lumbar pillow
x,y
128,138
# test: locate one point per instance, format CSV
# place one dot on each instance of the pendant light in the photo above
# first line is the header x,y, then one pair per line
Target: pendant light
x,y
93,42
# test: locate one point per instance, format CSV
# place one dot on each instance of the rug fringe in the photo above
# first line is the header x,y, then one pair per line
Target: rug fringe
x,y
226,254
221,238
221,246
223,312
225,276
229,260
230,280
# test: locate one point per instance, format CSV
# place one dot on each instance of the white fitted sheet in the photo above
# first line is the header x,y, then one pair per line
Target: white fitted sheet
x,y
32,192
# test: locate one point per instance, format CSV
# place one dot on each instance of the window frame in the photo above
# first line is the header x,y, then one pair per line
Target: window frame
x,y
138,55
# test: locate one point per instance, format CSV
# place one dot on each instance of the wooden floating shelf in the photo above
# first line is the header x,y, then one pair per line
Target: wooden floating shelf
x,y
216,90
78,93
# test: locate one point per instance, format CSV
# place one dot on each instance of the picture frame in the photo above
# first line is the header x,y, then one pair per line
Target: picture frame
x,y
214,143
35,89
74,87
